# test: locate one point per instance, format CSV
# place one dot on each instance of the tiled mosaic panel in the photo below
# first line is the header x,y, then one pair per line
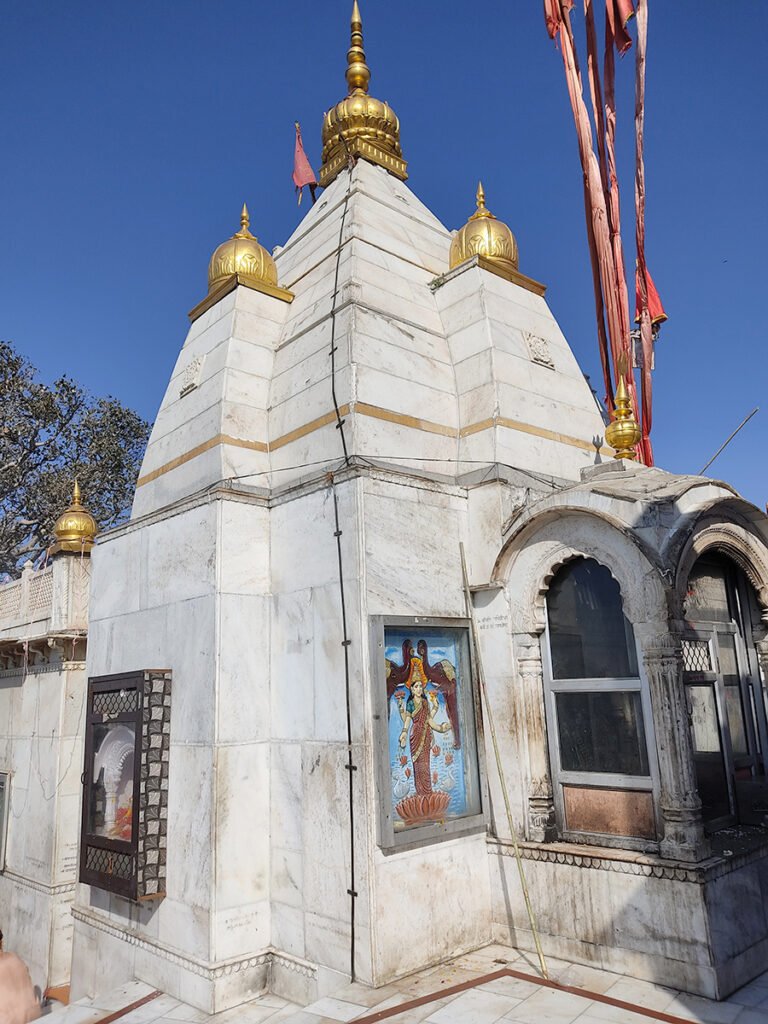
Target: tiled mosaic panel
x,y
153,784
107,862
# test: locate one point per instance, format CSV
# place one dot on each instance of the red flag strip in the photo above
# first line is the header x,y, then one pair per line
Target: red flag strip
x,y
597,207
646,330
302,169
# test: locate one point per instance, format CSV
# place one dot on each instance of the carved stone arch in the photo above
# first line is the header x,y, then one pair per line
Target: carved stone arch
x,y
531,561
739,544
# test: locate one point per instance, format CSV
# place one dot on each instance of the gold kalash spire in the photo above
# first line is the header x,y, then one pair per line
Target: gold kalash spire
x,y
360,126
484,235
75,529
623,432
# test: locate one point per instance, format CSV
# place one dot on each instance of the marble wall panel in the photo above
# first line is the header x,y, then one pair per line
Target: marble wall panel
x,y
432,452
26,925
188,649
182,925
292,665
241,812
287,881
443,915
116,577
188,478
398,530
243,551
243,698
286,796
330,709
397,360
407,396
190,827
241,929
180,551
288,929
312,402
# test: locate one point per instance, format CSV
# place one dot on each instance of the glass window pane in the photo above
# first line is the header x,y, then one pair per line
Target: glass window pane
x,y
602,732
729,668
110,813
589,635
707,752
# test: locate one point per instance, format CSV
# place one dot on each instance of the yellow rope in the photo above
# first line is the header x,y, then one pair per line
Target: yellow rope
x,y
491,723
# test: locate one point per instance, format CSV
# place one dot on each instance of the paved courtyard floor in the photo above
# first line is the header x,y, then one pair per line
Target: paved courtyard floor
x,y
494,985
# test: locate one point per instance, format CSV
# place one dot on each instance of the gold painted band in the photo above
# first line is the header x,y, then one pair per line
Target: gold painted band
x,y
374,412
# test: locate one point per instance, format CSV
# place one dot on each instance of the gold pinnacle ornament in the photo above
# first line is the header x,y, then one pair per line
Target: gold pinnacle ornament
x,y
484,235
360,125
75,528
242,255
623,432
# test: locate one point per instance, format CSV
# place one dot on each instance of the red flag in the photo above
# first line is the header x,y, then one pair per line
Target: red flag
x,y
655,308
302,170
618,14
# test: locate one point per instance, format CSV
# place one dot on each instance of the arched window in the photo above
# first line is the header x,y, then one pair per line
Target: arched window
x,y
725,697
597,708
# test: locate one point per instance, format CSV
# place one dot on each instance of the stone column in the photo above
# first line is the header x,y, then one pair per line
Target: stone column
x,y
541,807
683,837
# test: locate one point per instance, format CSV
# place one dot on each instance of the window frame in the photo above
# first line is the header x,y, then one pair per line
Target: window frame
x,y
599,780
389,840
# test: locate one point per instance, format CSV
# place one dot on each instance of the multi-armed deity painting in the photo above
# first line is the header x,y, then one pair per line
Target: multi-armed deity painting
x,y
431,726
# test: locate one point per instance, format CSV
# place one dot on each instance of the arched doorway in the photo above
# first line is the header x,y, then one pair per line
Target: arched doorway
x,y
725,695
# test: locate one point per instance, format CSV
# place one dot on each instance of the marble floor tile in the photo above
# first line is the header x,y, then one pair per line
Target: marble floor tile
x,y
150,1011
74,1014
336,1009
187,1015
644,993
126,994
514,988
476,1006
752,994
366,996
753,1015
580,976
604,1013
698,1009
547,1006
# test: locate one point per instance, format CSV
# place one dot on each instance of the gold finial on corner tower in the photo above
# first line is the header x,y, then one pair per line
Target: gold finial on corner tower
x,y
623,432
358,72
75,529
245,223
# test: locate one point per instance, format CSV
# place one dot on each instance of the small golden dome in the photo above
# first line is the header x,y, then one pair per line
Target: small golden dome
x,y
360,125
484,235
241,254
75,528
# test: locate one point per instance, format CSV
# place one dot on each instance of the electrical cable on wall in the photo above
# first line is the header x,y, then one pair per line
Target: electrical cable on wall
x,y
350,766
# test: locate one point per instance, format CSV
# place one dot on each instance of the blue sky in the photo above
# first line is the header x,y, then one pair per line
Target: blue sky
x,y
133,131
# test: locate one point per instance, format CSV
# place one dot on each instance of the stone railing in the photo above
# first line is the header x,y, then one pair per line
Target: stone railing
x,y
54,599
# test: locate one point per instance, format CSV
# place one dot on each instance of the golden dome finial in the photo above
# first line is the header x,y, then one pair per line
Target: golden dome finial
x,y
242,255
623,432
360,126
358,72
484,235
75,529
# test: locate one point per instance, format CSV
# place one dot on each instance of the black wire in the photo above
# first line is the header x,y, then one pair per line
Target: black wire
x,y
350,766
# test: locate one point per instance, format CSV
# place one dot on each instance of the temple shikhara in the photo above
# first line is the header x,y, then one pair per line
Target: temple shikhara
x,y
395,603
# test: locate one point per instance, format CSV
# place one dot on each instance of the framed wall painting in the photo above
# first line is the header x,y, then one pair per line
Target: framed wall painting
x,y
430,782
125,784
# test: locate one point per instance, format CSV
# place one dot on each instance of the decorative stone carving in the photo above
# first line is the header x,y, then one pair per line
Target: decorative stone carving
x,y
541,807
683,837
538,349
190,378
